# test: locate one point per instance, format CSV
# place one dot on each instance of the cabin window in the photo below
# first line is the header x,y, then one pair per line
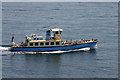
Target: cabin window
x,y
47,43
56,32
31,44
41,43
36,44
34,38
60,32
57,43
37,38
52,43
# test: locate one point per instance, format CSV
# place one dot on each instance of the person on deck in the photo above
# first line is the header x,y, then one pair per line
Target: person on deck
x,y
71,42
21,43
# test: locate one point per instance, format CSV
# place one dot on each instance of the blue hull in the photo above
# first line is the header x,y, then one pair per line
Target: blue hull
x,y
69,47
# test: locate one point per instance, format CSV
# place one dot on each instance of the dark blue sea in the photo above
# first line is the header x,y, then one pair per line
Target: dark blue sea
x,y
79,20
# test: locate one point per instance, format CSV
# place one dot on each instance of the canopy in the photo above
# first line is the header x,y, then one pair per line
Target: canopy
x,y
56,29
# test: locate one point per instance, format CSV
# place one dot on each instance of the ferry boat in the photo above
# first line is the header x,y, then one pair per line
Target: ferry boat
x,y
51,42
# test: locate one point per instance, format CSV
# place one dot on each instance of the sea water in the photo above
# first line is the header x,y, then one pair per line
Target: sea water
x,y
89,20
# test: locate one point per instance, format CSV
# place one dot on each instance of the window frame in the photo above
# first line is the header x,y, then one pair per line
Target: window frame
x,y
30,44
41,42
37,44
51,43
58,43
46,43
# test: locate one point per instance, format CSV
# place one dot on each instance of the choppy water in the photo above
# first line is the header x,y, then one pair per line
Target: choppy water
x,y
79,21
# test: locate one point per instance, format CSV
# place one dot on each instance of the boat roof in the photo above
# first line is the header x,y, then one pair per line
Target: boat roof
x,y
56,29
38,36
44,40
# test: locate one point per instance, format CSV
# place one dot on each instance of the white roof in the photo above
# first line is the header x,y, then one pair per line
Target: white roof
x,y
57,29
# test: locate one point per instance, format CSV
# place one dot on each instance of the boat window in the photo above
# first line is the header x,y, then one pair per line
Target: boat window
x,y
57,43
56,32
47,43
34,38
52,43
60,32
31,44
37,38
36,44
41,43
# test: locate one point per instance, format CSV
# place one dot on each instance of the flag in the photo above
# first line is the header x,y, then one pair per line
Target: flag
x,y
12,39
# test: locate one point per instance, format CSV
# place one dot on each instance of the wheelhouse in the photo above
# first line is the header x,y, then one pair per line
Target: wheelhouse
x,y
53,38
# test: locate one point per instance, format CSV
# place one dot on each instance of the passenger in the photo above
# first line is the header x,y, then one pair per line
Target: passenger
x,y
62,42
92,40
76,41
80,41
21,43
71,41
26,41
17,45
54,36
66,41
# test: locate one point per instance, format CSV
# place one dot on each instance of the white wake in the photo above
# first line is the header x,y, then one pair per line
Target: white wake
x,y
4,48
